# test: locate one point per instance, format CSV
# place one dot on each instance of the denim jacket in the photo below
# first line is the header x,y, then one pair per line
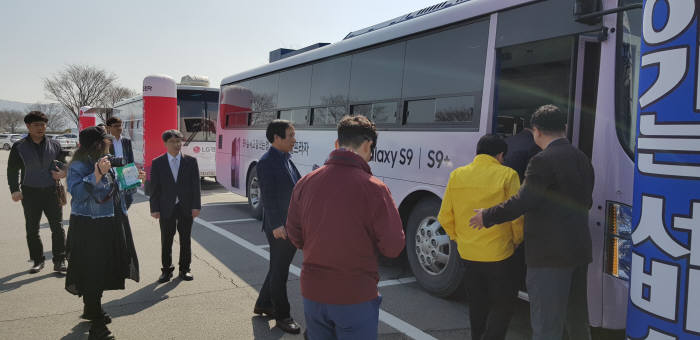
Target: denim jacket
x,y
86,194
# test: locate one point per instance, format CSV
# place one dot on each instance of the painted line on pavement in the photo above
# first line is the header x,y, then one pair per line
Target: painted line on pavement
x,y
214,204
235,221
396,282
264,246
389,319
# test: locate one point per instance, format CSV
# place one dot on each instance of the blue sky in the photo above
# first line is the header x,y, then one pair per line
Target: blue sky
x,y
133,39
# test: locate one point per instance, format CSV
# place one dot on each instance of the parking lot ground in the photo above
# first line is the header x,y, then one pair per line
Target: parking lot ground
x,y
229,266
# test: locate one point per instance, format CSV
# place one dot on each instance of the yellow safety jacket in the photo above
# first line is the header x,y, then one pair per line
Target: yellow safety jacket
x,y
481,184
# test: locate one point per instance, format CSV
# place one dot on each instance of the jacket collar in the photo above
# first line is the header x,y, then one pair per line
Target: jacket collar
x,y
279,154
348,158
558,141
486,159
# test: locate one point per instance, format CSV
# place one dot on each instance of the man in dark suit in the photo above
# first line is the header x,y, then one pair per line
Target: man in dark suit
x,y
121,147
277,176
555,199
176,201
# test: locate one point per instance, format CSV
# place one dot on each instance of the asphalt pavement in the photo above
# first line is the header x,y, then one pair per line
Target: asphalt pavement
x,y
229,266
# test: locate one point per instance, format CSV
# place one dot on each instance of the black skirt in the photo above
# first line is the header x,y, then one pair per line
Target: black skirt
x,y
100,254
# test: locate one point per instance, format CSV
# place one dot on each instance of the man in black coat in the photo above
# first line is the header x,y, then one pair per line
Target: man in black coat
x,y
555,199
175,201
277,176
121,147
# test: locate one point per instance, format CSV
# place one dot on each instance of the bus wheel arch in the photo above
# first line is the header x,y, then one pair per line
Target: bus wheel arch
x,y
252,191
433,258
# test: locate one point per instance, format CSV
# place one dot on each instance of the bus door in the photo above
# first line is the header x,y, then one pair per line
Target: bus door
x,y
562,71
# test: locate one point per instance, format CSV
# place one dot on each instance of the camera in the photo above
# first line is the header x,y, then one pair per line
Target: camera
x,y
57,165
116,161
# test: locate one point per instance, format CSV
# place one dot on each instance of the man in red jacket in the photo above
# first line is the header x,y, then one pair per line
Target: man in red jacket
x,y
341,217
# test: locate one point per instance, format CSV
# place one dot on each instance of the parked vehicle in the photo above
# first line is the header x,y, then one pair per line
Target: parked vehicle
x,y
66,143
15,138
5,141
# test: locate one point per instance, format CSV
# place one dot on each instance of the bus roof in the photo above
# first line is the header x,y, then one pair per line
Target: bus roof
x,y
459,12
200,88
128,100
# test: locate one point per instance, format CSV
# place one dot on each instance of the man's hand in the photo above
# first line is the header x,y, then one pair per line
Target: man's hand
x,y
195,213
142,175
155,215
279,232
17,196
58,174
477,221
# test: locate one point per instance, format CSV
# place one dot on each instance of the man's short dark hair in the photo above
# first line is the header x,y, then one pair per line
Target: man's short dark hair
x,y
167,134
549,119
355,130
35,116
277,127
491,145
113,120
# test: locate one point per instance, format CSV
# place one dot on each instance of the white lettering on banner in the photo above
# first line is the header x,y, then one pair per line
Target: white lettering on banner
x,y
692,225
662,284
673,65
647,146
692,313
680,14
651,226
656,335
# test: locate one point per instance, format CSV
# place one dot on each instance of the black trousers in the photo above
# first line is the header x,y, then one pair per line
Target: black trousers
x,y
492,295
274,290
36,201
181,221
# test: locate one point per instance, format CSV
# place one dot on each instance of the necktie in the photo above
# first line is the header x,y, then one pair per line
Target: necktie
x,y
174,167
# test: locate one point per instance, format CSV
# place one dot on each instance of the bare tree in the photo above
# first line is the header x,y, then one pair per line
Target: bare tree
x,y
11,120
114,95
77,86
58,120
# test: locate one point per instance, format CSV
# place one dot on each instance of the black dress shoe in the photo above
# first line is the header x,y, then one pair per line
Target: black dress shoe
x,y
106,318
38,266
60,266
186,275
165,277
98,331
269,311
289,325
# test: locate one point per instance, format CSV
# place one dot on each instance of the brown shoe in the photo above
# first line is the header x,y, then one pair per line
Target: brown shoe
x,y
289,325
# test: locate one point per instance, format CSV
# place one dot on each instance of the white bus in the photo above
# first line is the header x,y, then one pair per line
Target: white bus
x,y
195,116
434,81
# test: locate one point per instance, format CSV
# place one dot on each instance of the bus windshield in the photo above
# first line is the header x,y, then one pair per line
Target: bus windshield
x,y
197,111
627,78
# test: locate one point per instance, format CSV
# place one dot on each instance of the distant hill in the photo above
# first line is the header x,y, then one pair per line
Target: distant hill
x,y
14,106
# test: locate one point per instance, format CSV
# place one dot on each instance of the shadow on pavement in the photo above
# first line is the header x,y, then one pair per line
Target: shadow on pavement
x,y
262,330
141,299
79,331
6,287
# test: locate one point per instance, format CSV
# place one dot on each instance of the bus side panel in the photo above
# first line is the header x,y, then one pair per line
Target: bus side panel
x,y
159,114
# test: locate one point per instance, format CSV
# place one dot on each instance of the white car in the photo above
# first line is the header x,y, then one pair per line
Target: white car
x,y
5,141
66,143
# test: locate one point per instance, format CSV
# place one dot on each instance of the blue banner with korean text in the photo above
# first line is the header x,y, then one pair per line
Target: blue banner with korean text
x,y
665,273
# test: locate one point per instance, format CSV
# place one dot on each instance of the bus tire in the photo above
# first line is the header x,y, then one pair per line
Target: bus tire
x,y
433,257
254,196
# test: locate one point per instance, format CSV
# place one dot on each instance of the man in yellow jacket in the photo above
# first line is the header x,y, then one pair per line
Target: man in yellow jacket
x,y
487,252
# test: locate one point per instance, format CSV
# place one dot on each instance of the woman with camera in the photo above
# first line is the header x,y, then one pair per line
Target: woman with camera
x,y
100,247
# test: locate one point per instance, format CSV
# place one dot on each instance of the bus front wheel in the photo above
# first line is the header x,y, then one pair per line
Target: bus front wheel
x,y
433,257
254,197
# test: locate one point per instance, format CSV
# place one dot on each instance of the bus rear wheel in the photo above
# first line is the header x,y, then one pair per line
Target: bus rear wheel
x,y
254,196
433,257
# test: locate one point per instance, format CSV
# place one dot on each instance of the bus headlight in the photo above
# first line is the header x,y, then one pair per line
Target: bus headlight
x,y
618,240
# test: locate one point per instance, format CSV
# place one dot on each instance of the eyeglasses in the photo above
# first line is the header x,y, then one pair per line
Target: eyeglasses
x,y
116,125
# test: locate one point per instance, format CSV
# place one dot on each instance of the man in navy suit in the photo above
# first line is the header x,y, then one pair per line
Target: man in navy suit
x,y
175,201
121,147
277,176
